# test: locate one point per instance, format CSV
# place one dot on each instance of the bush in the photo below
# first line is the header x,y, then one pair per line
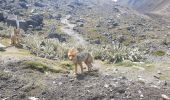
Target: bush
x,y
159,53
52,48
46,48
40,67
115,53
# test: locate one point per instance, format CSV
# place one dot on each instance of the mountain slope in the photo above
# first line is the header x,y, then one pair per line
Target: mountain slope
x,y
159,6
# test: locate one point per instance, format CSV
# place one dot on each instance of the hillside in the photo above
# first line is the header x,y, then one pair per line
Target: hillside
x,y
127,43
161,6
159,10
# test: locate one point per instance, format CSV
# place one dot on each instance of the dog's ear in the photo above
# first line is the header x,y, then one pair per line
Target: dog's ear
x,y
74,50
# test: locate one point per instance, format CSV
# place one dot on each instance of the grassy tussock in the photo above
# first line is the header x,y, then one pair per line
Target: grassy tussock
x,y
41,67
66,65
159,53
126,63
52,48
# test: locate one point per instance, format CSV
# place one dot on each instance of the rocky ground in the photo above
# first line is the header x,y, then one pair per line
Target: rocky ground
x,y
106,82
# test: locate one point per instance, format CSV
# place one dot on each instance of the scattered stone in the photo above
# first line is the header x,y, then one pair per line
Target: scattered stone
x,y
1,16
5,98
33,98
60,83
106,85
141,96
54,82
158,77
139,76
141,80
165,97
123,77
162,83
2,47
159,72
38,4
23,5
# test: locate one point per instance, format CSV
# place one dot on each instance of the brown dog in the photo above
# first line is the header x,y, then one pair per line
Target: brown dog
x,y
15,36
79,57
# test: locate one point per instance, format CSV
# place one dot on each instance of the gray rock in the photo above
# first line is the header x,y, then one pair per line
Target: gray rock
x,y
39,4
1,16
57,36
11,21
2,47
37,17
165,97
23,5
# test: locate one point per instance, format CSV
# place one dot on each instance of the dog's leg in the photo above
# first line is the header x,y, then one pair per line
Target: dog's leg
x,y
75,72
13,41
17,40
81,67
88,66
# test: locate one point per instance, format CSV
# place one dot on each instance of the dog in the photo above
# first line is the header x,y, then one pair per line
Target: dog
x,y
15,36
79,57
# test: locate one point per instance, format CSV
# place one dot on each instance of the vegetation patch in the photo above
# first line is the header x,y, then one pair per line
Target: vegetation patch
x,y
5,41
66,65
4,75
41,67
159,53
165,77
126,63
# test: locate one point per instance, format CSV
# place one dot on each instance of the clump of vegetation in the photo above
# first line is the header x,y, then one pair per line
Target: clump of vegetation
x,y
4,75
159,53
66,65
46,48
40,67
5,31
126,63
52,48
116,53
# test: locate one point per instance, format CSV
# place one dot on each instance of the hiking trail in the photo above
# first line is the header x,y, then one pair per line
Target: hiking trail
x,y
68,29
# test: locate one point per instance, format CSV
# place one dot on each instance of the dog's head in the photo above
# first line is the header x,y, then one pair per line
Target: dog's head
x,y
72,53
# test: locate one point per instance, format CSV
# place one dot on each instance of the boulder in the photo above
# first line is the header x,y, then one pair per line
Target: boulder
x,y
36,21
80,24
23,1
23,25
23,5
11,21
2,1
38,4
2,47
37,17
32,23
58,16
57,36
1,16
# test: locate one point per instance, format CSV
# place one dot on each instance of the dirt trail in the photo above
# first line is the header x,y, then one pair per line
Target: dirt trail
x,y
68,29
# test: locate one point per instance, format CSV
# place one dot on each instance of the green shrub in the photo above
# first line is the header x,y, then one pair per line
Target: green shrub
x,y
159,53
40,67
